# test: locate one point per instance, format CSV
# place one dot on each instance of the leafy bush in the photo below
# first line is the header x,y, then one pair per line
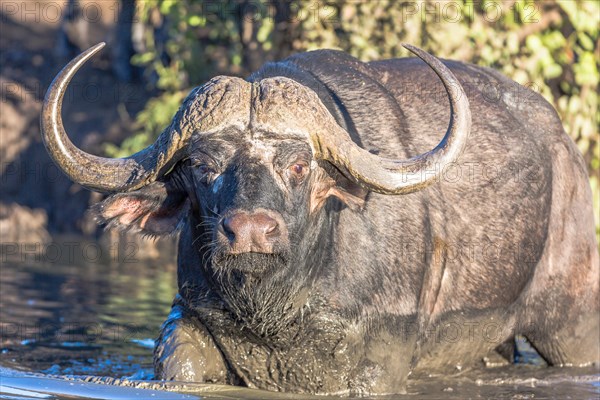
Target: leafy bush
x,y
550,46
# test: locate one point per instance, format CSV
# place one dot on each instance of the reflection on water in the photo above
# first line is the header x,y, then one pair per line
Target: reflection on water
x,y
100,318
92,318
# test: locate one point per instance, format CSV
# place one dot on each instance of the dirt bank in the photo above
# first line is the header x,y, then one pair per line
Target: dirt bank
x,y
35,43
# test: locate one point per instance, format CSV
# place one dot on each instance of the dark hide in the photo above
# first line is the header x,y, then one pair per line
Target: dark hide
x,y
364,288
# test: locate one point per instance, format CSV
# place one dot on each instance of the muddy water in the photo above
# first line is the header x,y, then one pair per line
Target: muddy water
x,y
99,316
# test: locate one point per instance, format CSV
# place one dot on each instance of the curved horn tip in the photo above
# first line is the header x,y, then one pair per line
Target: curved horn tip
x,y
86,54
70,69
99,45
414,49
95,48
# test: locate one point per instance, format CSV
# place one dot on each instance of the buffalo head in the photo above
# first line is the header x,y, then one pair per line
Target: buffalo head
x,y
246,169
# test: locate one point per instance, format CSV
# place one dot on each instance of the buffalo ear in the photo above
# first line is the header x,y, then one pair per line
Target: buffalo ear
x,y
349,193
155,210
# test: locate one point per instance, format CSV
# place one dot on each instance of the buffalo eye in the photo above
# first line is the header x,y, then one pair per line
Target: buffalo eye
x,y
204,169
298,169
206,172
297,172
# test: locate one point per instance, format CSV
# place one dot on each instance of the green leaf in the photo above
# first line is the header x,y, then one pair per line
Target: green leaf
x,y
533,43
196,20
166,6
552,71
586,70
586,42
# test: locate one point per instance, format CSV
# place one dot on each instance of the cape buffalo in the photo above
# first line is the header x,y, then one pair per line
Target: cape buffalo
x,y
331,243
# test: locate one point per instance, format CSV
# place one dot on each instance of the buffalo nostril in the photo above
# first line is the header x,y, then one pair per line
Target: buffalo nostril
x,y
229,227
270,227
